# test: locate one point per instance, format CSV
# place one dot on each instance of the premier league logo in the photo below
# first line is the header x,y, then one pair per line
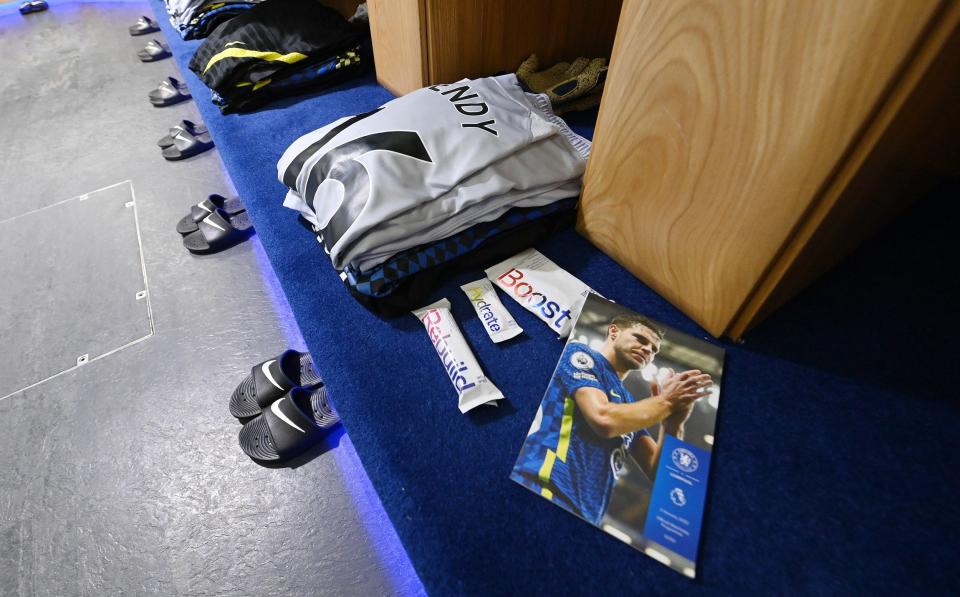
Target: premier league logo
x,y
677,497
581,360
684,460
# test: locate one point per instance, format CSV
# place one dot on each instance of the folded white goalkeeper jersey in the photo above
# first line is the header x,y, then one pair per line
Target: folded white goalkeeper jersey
x,y
360,172
483,197
382,252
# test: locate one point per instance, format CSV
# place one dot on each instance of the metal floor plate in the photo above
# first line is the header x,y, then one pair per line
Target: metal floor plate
x,y
72,286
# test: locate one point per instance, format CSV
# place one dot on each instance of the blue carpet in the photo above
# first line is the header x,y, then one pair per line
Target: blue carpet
x,y
835,464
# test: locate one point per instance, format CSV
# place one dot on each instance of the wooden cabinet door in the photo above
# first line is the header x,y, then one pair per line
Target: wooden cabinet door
x,y
722,127
398,32
425,42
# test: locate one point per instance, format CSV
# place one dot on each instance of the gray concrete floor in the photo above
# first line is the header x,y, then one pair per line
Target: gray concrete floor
x,y
123,476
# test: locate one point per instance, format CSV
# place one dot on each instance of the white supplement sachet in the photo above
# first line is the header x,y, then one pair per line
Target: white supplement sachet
x,y
473,387
542,287
496,319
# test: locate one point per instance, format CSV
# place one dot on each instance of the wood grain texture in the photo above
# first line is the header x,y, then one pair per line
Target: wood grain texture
x,y
721,123
398,31
347,8
911,145
474,38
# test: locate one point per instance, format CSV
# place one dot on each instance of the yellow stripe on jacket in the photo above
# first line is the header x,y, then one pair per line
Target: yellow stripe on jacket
x,y
290,58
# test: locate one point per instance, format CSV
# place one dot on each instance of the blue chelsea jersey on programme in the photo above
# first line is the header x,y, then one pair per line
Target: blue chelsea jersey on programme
x,y
562,458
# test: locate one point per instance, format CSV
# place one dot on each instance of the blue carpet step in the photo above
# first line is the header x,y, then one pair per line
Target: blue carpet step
x,y
822,482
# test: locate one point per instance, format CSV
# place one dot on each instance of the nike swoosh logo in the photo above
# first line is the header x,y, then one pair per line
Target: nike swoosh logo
x,y
210,222
275,407
266,371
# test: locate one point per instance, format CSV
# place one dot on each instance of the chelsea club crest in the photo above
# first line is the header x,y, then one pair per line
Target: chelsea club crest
x,y
684,460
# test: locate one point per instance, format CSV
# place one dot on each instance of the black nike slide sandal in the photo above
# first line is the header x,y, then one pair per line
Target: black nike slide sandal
x,y
270,380
153,51
288,426
186,145
218,231
143,26
33,6
185,125
169,92
198,212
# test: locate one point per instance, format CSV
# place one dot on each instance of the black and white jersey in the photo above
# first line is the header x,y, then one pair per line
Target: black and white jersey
x,y
381,250
361,173
183,11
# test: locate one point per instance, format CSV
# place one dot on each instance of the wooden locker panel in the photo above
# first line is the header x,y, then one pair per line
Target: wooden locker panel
x,y
345,7
911,146
398,31
721,123
424,42
474,38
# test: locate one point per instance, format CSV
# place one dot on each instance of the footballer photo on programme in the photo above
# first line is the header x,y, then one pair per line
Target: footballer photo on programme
x,y
625,387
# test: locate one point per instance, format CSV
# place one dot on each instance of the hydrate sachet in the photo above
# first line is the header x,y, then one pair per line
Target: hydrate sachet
x,y
498,322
